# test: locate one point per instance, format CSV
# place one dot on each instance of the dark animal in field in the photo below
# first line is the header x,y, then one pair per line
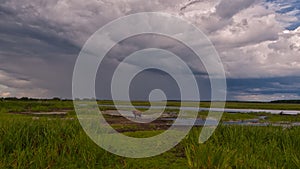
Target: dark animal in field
x,y
137,113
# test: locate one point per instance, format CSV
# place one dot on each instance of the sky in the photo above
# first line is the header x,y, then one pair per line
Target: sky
x,y
258,42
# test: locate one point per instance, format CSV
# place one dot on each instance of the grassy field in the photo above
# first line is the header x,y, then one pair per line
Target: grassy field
x,y
231,104
53,105
34,105
60,142
245,147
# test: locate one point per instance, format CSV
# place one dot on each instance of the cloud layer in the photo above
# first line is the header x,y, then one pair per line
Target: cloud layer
x,y
40,41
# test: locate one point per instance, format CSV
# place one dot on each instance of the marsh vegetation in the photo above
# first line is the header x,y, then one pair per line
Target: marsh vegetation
x,y
59,141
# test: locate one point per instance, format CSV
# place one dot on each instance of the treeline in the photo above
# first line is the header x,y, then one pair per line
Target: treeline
x,y
15,105
32,99
286,101
109,101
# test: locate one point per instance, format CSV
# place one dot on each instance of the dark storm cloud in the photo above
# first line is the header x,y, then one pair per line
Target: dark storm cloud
x,y
28,37
34,57
151,78
242,88
40,41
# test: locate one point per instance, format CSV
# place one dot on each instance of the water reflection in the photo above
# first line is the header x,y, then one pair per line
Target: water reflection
x,y
283,112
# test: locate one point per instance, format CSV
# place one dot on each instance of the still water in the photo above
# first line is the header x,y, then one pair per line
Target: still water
x,y
288,112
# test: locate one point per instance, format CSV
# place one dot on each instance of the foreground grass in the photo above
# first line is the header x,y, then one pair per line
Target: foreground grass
x,y
58,143
245,147
47,144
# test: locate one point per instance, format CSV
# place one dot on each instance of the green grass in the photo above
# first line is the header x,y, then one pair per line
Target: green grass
x,y
245,147
58,143
55,105
283,118
238,116
246,116
271,106
54,142
34,106
26,143
230,104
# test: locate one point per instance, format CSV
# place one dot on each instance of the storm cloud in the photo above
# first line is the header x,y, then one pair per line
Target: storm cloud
x,y
258,43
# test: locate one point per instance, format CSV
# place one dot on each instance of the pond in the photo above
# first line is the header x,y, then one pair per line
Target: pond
x,y
286,112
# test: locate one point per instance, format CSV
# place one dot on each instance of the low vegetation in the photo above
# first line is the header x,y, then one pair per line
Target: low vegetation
x,y
245,147
30,141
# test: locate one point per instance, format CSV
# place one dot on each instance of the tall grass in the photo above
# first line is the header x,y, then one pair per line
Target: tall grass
x,y
26,143
245,147
61,143
46,143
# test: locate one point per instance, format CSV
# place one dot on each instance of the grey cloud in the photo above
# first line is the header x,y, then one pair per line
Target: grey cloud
x,y
14,80
130,45
152,77
228,8
40,40
264,88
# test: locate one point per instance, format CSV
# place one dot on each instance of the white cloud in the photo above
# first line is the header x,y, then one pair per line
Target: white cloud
x,y
266,59
10,80
14,86
250,42
265,97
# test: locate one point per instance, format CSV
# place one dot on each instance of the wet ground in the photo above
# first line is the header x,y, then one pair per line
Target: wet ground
x,y
113,117
124,121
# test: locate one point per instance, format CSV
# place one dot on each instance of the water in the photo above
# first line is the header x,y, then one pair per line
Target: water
x,y
250,122
189,122
212,122
287,112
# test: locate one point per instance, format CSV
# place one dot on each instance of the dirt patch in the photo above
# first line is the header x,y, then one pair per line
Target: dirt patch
x,y
122,124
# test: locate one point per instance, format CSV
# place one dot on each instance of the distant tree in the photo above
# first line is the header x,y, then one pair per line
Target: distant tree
x,y
11,98
56,98
285,101
24,98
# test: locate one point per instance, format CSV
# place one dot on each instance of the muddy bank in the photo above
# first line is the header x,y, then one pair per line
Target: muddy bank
x,y
122,124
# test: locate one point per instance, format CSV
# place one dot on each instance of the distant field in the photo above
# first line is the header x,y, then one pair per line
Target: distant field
x,y
34,106
55,105
238,105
